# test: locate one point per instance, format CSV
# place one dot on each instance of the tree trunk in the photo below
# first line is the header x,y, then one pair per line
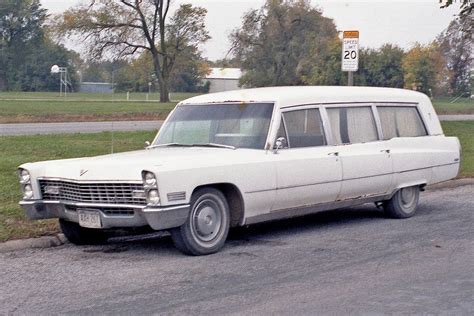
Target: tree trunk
x,y
164,89
163,79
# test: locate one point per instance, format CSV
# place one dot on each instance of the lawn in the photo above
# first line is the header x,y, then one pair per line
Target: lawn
x,y
16,107
451,106
19,149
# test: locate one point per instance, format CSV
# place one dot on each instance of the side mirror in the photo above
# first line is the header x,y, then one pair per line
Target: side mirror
x,y
147,144
279,144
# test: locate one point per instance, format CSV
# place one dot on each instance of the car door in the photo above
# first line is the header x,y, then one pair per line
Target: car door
x,y
366,160
308,171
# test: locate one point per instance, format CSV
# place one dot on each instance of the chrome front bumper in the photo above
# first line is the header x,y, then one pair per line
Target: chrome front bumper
x,y
158,218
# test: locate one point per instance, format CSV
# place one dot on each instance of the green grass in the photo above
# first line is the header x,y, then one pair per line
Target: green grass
x,y
20,107
460,106
16,150
465,132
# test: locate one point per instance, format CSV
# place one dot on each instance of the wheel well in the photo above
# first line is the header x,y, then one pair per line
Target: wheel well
x,y
234,199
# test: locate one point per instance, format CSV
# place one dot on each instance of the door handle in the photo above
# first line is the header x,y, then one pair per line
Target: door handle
x,y
334,154
385,151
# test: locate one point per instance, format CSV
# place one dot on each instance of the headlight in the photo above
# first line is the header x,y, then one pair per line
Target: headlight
x,y
27,192
24,176
149,178
153,197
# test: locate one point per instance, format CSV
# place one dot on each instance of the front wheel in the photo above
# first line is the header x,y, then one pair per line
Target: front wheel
x,y
403,203
207,226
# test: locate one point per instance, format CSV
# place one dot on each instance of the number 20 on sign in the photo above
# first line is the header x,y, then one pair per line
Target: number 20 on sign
x,y
350,51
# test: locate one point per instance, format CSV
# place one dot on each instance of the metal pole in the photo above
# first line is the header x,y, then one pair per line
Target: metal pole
x,y
350,78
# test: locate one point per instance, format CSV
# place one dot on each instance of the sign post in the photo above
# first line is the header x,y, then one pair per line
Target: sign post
x,y
350,54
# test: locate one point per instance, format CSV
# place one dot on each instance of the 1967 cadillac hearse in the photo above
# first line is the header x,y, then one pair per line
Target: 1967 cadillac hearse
x,y
247,156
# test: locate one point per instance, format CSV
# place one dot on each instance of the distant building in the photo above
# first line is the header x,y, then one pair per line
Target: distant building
x,y
224,79
96,87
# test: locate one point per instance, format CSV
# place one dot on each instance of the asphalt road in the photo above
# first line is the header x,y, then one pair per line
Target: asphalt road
x,y
95,127
348,261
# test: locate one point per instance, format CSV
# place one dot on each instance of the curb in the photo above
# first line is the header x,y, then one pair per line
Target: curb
x,y
40,242
60,239
451,184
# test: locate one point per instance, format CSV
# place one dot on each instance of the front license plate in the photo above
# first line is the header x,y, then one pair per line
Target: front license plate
x,y
89,219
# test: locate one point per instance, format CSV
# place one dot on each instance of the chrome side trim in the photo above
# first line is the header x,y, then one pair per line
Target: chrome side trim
x,y
311,209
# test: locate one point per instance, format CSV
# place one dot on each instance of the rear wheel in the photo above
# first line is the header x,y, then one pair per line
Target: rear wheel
x,y
207,226
82,236
403,203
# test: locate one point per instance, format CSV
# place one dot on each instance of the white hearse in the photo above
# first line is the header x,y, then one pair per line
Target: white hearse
x,y
247,156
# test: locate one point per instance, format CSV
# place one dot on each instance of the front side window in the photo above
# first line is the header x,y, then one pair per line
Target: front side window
x,y
243,125
400,121
305,128
351,125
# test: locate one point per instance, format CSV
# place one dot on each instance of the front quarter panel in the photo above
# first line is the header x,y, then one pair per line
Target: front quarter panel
x,y
254,178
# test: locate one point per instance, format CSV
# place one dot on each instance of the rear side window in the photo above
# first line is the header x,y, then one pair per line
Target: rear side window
x,y
350,125
305,128
400,121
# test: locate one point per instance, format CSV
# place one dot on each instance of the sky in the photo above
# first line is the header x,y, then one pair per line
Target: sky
x,y
401,22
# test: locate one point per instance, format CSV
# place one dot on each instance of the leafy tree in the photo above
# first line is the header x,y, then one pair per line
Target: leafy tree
x,y
325,67
465,14
283,43
27,51
424,68
125,27
381,67
456,47
187,73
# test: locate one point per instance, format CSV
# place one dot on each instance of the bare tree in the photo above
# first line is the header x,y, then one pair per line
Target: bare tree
x,y
125,27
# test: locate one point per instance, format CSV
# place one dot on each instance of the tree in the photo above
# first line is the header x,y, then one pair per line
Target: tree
x,y
125,27
424,68
186,76
27,51
283,43
456,47
465,14
381,67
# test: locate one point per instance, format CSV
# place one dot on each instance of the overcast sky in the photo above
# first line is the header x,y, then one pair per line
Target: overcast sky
x,y
401,22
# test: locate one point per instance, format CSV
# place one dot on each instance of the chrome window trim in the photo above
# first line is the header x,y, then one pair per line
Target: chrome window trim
x,y
323,120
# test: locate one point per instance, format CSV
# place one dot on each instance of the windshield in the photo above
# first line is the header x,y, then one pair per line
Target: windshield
x,y
242,125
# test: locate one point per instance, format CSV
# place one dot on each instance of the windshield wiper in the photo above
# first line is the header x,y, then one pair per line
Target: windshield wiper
x,y
169,145
214,145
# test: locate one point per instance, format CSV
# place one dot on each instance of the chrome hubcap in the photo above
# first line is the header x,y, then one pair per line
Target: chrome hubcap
x,y
408,196
207,220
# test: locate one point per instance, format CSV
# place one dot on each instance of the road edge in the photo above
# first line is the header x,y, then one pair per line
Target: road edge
x,y
60,239
39,242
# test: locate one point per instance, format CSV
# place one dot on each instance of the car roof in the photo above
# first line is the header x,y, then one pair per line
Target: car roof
x,y
295,95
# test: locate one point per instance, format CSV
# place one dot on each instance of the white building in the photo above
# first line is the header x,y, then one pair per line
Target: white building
x,y
224,79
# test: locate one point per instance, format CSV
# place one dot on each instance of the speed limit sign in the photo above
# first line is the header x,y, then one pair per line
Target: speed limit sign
x,y
350,51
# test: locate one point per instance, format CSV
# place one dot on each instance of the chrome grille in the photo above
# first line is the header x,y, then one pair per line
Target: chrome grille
x,y
109,193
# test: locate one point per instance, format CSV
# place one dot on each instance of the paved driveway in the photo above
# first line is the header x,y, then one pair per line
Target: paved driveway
x,y
351,261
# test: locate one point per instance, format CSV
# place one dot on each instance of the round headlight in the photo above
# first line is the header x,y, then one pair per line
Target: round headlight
x,y
24,176
27,192
149,179
153,197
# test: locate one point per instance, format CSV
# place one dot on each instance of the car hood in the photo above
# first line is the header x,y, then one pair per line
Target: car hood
x,y
127,166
